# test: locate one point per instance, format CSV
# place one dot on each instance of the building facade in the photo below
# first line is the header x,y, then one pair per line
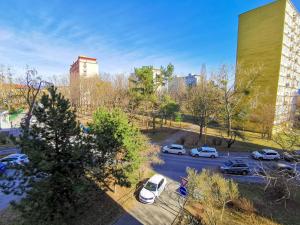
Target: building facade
x,y
269,38
192,79
82,71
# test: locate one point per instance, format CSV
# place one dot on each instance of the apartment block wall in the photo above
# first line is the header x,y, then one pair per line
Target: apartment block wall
x,y
289,76
83,71
260,45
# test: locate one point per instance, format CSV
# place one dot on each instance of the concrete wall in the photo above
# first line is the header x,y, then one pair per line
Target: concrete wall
x,y
259,46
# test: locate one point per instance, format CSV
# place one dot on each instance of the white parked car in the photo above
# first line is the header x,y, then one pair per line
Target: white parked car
x,y
174,149
266,154
152,189
15,159
204,152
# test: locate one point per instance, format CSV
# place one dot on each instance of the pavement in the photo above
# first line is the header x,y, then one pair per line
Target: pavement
x,y
163,212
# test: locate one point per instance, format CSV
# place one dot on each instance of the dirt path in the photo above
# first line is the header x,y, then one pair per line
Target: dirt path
x,y
173,138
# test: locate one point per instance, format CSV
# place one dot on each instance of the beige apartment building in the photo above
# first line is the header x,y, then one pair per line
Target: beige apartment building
x,y
269,36
82,71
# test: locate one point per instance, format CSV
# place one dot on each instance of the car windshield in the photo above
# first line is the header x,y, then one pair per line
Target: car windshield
x,y
261,152
150,186
228,163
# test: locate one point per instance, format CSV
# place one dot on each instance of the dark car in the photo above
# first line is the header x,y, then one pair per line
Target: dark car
x,y
235,167
278,168
2,168
291,156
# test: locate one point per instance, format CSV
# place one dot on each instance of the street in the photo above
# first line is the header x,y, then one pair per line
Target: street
x,y
175,166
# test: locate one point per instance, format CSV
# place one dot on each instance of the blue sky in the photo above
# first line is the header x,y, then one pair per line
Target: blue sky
x,y
49,35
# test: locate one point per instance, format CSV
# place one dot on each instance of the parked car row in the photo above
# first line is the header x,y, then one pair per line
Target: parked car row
x,y
210,152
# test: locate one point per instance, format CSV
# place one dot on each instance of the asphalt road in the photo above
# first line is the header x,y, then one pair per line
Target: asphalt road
x,y
174,166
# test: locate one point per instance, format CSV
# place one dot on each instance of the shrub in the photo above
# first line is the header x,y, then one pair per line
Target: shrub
x,y
243,205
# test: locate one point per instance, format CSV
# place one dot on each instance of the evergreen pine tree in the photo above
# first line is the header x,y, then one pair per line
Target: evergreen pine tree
x,y
56,172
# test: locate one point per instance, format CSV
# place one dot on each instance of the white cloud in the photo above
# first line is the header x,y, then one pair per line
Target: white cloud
x,y
51,51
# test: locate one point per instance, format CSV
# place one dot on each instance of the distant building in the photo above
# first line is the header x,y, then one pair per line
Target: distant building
x,y
83,69
270,36
175,83
162,87
156,76
192,79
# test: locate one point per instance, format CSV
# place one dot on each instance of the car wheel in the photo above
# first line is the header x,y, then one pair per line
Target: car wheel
x,y
166,151
179,153
212,156
260,158
244,173
277,159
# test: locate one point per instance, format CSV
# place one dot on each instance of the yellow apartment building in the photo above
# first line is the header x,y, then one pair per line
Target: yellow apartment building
x,y
269,38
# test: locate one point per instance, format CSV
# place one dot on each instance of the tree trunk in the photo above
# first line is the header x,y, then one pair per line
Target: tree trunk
x,y
153,122
228,126
200,131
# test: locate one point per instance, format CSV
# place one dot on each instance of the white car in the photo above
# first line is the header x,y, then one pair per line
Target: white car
x,y
266,154
204,152
174,149
15,159
152,189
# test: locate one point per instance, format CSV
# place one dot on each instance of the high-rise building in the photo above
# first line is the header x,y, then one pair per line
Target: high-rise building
x,y
192,79
269,38
81,71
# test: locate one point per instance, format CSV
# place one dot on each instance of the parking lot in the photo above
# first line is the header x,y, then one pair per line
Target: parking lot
x,y
165,209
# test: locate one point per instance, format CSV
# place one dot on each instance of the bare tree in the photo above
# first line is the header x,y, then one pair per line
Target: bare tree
x,y
281,182
203,103
233,94
33,86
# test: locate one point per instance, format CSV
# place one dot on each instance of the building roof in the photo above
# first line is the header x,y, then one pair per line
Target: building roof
x,y
267,5
86,58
